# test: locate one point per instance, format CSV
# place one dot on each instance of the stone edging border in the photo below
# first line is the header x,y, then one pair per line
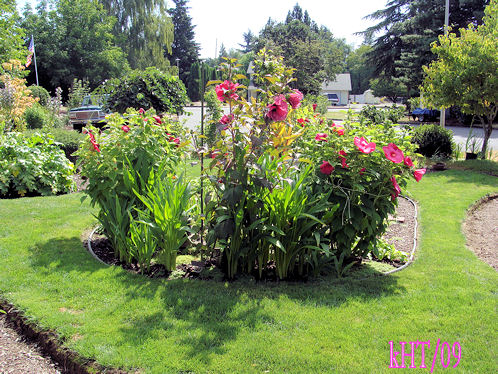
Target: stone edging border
x,y
404,266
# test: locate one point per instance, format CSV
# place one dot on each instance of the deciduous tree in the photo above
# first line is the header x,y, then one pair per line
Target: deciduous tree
x,y
465,72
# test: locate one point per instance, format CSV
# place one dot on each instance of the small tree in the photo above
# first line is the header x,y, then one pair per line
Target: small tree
x,y
465,72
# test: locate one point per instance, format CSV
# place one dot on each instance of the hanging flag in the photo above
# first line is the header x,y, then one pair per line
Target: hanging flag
x,y
31,49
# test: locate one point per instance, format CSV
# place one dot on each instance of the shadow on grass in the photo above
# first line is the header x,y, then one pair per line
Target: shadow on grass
x,y
200,316
467,176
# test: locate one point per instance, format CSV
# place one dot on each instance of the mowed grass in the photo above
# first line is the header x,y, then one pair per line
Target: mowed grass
x,y
157,326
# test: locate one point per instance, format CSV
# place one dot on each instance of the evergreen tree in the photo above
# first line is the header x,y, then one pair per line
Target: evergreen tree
x,y
249,41
194,82
184,47
407,28
143,30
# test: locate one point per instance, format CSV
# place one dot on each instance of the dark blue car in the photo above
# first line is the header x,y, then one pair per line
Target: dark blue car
x,y
425,114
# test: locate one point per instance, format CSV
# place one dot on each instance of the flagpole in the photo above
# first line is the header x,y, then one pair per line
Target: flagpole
x,y
34,55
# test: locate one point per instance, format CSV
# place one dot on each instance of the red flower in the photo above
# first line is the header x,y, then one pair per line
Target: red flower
x,y
157,119
363,145
227,91
295,99
278,110
314,107
418,174
397,190
125,128
302,121
339,130
393,153
141,111
321,137
362,171
94,143
343,159
408,162
326,168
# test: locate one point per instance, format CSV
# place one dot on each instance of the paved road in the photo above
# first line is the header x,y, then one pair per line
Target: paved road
x,y
460,134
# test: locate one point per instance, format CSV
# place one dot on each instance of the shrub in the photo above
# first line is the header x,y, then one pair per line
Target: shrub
x,y
36,116
32,164
373,115
127,164
41,93
146,89
433,140
67,140
15,97
294,190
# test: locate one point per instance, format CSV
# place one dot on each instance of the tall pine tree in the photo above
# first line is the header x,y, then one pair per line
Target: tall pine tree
x,y
184,49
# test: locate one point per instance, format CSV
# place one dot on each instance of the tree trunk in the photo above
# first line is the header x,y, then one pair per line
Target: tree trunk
x,y
487,128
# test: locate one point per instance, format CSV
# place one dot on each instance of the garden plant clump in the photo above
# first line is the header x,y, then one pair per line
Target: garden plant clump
x,y
294,192
33,164
131,169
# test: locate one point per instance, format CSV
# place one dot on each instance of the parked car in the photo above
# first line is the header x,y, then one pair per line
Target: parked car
x,y
423,114
91,111
333,98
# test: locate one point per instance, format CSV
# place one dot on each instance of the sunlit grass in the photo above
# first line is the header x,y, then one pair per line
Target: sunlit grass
x,y
324,326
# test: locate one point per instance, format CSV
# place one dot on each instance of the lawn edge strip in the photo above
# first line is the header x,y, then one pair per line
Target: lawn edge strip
x,y
51,344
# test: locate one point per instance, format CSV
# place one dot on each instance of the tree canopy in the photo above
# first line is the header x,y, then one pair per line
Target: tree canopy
x,y
465,72
143,30
405,31
305,46
11,35
73,39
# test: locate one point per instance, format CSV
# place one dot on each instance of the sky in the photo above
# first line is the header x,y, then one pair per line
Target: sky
x,y
225,21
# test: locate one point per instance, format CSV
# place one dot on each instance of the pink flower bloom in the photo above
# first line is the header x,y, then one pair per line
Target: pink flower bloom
x,y
342,155
397,190
326,168
125,128
158,120
227,91
321,136
314,107
226,119
418,174
141,111
363,145
362,171
295,99
278,110
408,162
174,140
393,153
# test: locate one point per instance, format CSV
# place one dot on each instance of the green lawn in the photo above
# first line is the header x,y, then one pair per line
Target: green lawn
x,y
125,320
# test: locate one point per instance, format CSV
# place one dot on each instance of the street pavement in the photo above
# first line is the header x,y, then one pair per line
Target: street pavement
x,y
460,134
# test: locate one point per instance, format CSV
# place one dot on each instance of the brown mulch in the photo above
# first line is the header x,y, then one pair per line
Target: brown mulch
x,y
401,229
18,356
481,230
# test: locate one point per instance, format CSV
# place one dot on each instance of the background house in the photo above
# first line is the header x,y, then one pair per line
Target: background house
x,y
338,91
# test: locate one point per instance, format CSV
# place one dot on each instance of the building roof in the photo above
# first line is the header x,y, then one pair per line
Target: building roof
x,y
342,83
